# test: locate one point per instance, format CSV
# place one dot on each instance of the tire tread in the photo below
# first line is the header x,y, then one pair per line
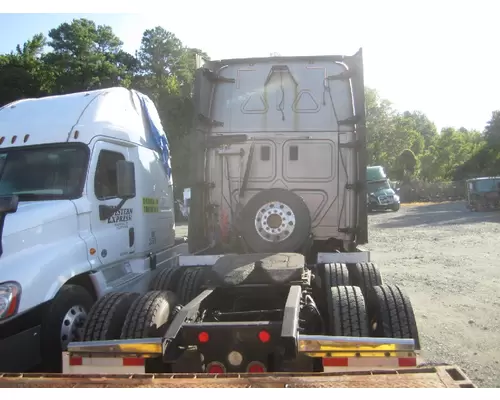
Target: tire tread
x,y
348,316
139,322
106,317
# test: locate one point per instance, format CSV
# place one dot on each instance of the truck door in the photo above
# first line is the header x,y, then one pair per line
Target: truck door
x,y
115,235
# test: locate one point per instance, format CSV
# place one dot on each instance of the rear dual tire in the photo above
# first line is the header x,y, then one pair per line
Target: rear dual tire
x,y
391,314
149,315
130,316
376,310
120,315
105,320
347,312
364,275
186,282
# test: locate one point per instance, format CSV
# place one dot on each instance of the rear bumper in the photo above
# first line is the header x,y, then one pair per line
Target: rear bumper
x,y
20,352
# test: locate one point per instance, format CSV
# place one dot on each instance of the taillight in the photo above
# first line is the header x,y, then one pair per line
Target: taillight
x,y
256,367
216,367
264,336
134,362
203,337
75,360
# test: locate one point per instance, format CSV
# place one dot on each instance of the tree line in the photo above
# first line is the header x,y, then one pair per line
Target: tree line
x,y
80,56
410,147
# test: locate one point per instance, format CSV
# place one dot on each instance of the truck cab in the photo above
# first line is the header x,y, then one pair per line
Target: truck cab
x,y
380,194
86,209
279,155
483,193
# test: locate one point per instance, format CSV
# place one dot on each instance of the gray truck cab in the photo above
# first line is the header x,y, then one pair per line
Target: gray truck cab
x,y
279,161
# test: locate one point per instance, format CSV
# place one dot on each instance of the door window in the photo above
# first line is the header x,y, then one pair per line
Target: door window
x,y
105,183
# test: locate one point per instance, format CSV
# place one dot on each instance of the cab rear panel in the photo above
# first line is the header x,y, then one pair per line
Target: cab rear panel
x,y
291,123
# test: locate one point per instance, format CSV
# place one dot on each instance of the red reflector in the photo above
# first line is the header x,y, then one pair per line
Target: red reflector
x,y
407,362
133,362
203,337
75,360
336,362
216,368
264,336
256,368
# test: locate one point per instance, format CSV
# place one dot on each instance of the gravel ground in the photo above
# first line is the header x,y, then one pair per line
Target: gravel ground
x,y
446,258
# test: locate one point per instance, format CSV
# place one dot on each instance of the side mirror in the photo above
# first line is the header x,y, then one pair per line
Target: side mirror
x,y
125,178
8,204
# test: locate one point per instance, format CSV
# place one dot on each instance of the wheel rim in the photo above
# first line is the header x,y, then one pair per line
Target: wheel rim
x,y
275,221
72,325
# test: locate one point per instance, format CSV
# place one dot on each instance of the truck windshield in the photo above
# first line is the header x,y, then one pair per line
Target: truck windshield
x,y
43,173
375,186
487,185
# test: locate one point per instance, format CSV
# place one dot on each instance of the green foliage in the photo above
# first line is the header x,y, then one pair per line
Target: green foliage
x,y
484,159
409,146
406,165
22,73
167,71
84,56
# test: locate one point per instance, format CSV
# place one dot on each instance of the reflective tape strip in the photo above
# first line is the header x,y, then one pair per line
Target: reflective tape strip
x,y
112,362
334,363
103,365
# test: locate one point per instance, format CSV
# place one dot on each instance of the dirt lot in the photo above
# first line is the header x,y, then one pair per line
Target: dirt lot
x,y
447,260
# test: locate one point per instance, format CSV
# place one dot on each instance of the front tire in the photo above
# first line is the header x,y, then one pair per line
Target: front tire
x,y
63,324
396,207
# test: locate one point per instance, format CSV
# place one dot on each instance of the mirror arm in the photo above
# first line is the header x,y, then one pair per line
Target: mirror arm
x,y
105,211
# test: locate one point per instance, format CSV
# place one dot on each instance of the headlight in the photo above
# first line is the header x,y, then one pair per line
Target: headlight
x,y
396,197
10,294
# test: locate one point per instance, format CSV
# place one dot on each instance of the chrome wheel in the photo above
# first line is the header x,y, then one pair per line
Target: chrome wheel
x,y
72,325
275,221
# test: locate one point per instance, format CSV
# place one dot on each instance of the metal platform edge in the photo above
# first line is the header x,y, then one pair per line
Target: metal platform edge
x,y
432,377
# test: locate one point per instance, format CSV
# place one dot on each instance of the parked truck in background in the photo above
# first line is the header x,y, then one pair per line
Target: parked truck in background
x,y
380,194
276,280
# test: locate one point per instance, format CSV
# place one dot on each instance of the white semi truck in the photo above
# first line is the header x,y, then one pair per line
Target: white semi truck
x,y
74,226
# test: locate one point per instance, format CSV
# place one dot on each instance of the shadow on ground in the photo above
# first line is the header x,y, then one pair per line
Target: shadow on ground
x,y
439,214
